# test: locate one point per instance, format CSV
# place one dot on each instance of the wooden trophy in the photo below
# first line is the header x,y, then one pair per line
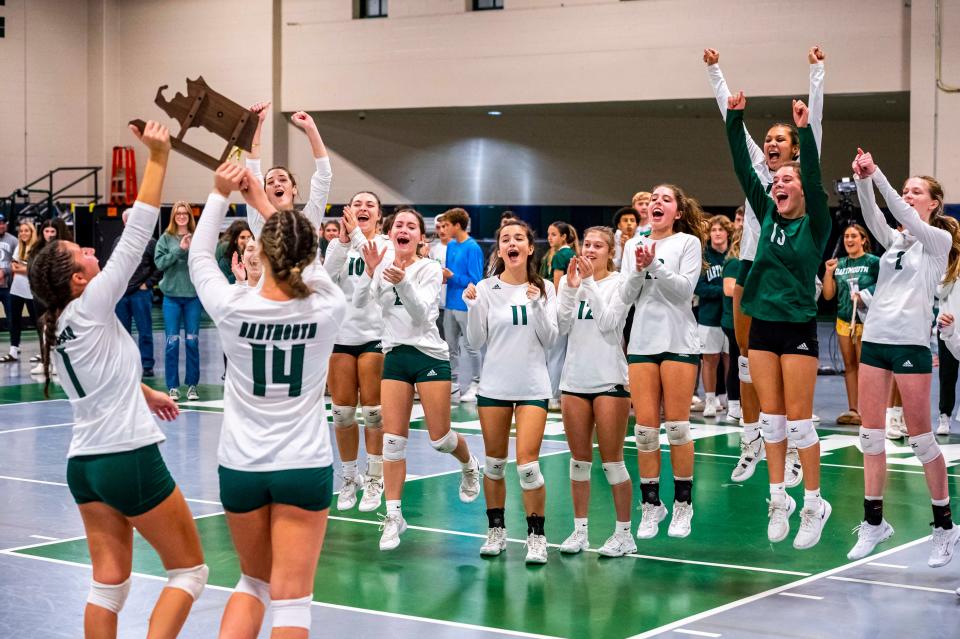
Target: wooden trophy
x,y
202,106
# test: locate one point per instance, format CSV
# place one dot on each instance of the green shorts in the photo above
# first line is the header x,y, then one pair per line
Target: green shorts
x,y
659,358
616,391
243,491
745,266
408,364
487,402
356,350
133,482
899,358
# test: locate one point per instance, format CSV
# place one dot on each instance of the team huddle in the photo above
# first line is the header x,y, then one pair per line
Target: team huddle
x,y
607,327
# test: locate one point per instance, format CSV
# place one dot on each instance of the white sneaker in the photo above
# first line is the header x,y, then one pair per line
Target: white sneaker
x,y
779,511
536,549
941,546
892,429
37,370
392,527
750,456
696,404
469,396
792,470
347,498
868,536
650,520
470,482
815,418
711,408
174,394
811,525
618,545
576,542
495,544
192,394
943,426
902,424
553,405
680,522
372,494
734,412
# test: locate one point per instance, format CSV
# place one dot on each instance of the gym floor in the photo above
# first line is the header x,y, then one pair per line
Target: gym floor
x,y
725,580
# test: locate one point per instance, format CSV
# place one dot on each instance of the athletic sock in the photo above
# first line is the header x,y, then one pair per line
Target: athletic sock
x,y
349,468
623,527
873,510
375,465
470,464
722,398
393,507
778,489
535,524
683,489
751,432
811,498
710,398
650,491
495,518
942,518
580,523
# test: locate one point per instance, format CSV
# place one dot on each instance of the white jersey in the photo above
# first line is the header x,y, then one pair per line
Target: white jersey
x,y
751,225
316,204
438,253
98,360
409,308
518,333
344,264
593,316
663,295
277,353
911,268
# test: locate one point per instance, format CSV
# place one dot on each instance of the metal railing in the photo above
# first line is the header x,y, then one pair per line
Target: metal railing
x,y
45,207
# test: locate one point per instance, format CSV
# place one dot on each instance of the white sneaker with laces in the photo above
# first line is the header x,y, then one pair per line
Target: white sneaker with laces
x,y
892,429
750,456
470,481
792,470
347,498
868,536
650,520
779,510
174,394
812,521
536,549
734,412
696,404
941,546
576,542
192,394
902,424
38,369
943,425
680,522
618,545
372,494
711,408
469,396
392,527
495,544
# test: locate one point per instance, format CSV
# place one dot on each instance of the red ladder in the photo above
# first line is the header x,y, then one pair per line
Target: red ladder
x,y
123,176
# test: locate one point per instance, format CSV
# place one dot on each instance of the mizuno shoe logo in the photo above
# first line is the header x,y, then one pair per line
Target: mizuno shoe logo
x,y
803,347
907,364
432,373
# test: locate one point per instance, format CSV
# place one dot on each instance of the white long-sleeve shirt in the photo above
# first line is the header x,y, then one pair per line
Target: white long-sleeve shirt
x,y
316,204
751,226
409,308
277,354
344,263
595,361
911,267
518,332
98,360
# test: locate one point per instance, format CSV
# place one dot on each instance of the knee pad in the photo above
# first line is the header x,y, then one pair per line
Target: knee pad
x,y
530,477
580,470
493,467
447,443
110,597
802,433
394,448
872,441
371,417
743,369
616,472
190,580
678,433
925,447
773,427
343,416
255,588
292,613
648,439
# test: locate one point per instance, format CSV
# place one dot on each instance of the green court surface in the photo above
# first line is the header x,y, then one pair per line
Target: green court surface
x,y
437,572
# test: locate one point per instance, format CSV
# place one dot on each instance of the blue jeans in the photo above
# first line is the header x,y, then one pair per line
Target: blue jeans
x,y
185,310
135,307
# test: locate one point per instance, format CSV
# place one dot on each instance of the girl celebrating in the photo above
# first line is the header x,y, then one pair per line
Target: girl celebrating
x,y
114,468
20,294
276,476
514,314
406,291
593,386
357,355
852,280
660,280
234,242
779,295
895,344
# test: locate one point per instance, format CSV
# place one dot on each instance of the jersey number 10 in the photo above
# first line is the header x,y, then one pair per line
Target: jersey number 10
x,y
279,368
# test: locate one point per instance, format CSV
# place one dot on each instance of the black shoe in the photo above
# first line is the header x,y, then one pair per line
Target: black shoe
x,y
148,372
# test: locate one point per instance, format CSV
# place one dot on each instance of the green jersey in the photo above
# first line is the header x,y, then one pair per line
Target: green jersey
x,y
863,270
730,269
559,262
709,288
781,283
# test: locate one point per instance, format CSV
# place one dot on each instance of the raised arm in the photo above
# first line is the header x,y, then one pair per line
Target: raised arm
x,y
255,219
935,241
816,198
316,204
746,173
815,57
722,93
872,215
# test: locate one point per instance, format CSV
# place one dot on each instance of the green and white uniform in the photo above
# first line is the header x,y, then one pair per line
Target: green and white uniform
x,y
709,291
730,269
344,264
864,271
316,204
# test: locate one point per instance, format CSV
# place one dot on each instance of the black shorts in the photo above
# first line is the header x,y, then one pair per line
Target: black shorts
x,y
356,350
785,338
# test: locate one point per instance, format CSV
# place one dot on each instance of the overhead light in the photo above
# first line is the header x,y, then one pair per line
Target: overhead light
x,y
494,113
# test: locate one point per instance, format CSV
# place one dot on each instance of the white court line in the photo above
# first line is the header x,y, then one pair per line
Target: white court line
x,y
36,401
20,430
773,591
799,596
823,464
60,483
882,565
698,633
871,582
44,537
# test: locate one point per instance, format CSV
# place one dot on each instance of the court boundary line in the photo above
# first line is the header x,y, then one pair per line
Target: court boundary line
x,y
890,584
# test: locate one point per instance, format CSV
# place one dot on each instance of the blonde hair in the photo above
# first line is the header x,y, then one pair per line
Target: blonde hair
x,y
191,223
24,250
607,234
639,196
943,221
733,251
724,223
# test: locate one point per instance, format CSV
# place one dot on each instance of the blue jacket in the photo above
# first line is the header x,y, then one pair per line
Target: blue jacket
x,y
465,260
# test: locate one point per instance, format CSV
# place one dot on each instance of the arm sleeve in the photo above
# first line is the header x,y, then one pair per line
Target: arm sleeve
x,y
630,287
419,296
874,275
872,215
335,257
708,290
935,241
678,286
212,286
816,197
949,334
742,165
545,318
816,102
316,205
628,258
609,314
566,306
254,218
721,93
477,319
473,260
104,291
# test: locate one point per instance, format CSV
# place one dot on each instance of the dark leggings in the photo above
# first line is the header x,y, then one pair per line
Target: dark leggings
x,y
733,373
16,317
948,378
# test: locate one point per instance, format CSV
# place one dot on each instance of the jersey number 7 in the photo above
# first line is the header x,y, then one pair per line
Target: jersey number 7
x,y
278,367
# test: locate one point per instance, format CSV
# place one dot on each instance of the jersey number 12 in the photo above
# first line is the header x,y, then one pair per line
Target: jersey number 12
x,y
278,367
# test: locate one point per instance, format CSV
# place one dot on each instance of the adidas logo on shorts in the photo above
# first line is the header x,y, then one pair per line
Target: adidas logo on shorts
x,y
908,364
432,373
803,347
379,344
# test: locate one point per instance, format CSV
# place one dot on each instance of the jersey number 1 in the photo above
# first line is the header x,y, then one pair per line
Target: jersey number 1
x,y
279,368
898,266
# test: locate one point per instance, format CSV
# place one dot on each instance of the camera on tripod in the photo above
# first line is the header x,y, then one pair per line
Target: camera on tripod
x,y
845,187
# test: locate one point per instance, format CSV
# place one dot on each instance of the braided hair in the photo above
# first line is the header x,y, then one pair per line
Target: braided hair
x,y
289,243
50,275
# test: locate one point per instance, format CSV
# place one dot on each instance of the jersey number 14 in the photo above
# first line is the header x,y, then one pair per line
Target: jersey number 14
x,y
278,366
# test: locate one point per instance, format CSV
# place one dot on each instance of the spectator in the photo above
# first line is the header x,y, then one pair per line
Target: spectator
x,y
8,247
464,267
20,294
640,203
233,241
137,302
330,231
438,252
625,221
